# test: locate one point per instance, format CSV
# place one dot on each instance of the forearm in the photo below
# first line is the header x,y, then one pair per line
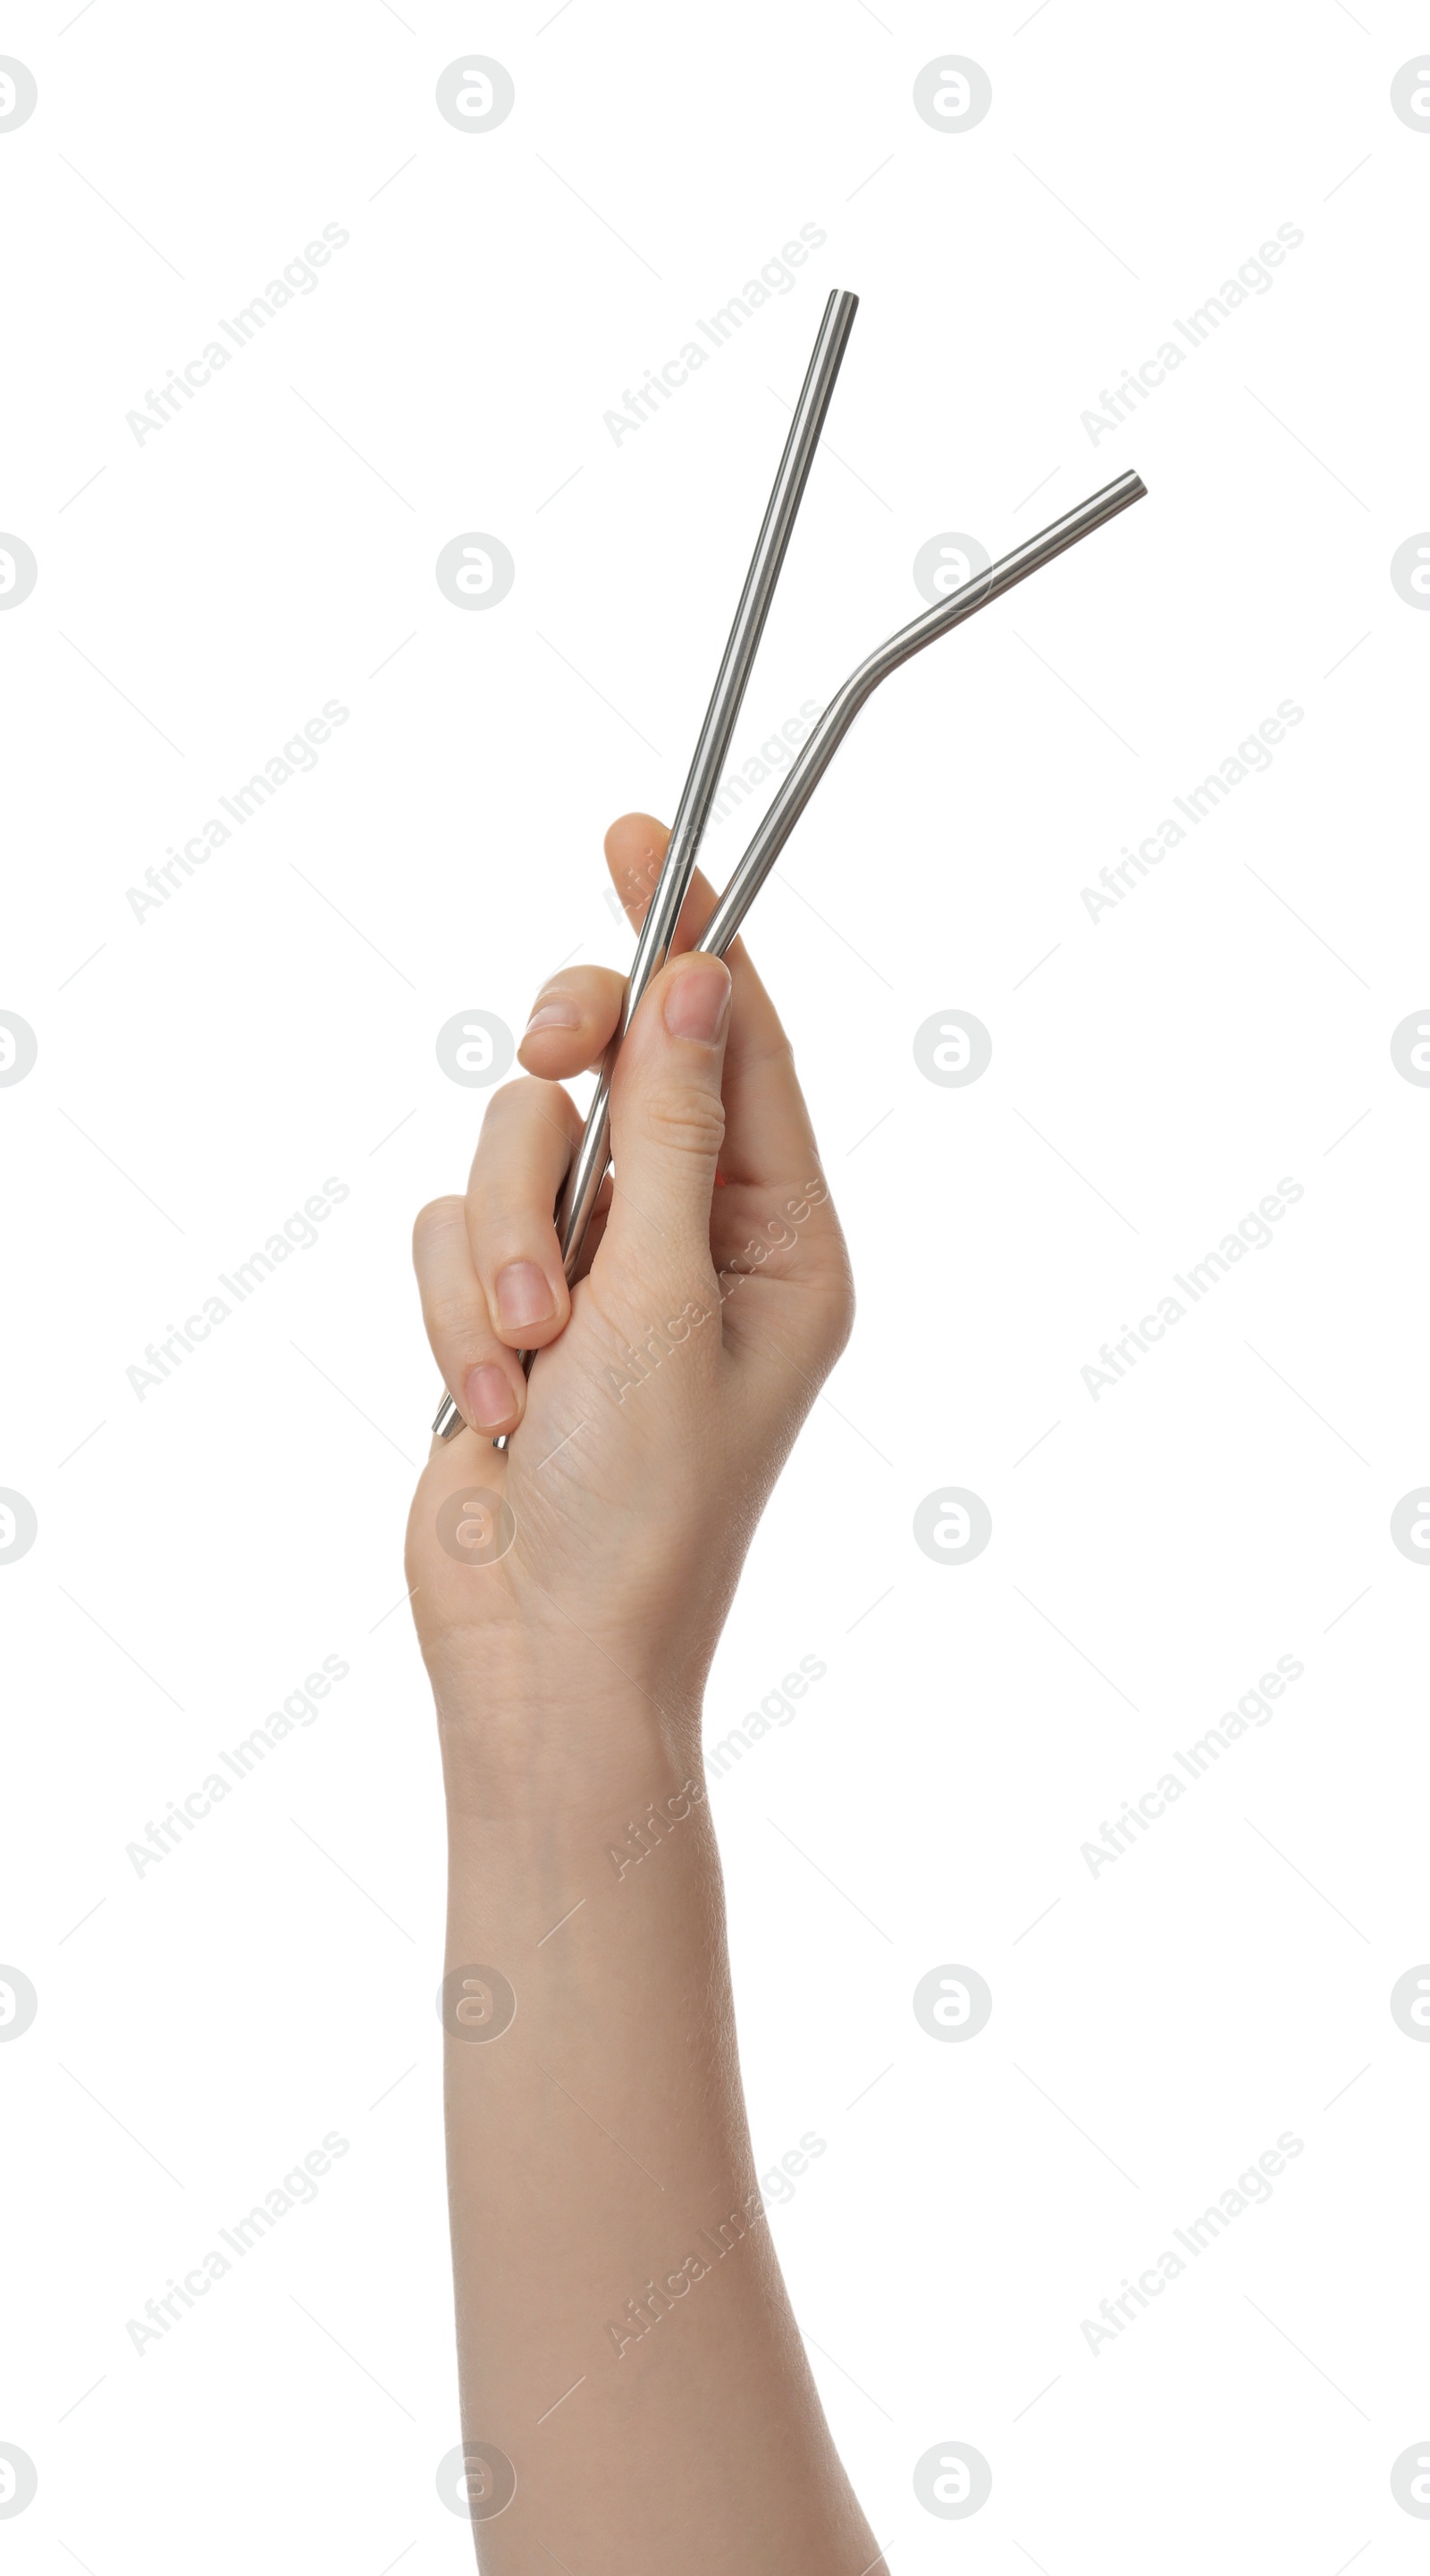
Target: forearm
x,y
627,2351
624,2334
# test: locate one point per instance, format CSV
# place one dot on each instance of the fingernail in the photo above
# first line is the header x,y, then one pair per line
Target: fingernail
x,y
523,1296
489,1396
553,1011
696,1003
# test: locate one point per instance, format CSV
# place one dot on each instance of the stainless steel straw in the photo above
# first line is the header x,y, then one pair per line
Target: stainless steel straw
x,y
801,781
593,1158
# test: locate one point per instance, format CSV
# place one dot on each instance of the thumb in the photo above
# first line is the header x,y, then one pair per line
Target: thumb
x,y
668,1120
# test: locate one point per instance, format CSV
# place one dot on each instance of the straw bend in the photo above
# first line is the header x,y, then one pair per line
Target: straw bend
x,y
801,781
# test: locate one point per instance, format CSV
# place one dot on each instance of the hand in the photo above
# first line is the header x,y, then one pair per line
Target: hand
x,y
714,1297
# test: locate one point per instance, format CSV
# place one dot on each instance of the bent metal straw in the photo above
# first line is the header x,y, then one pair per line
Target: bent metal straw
x,y
800,782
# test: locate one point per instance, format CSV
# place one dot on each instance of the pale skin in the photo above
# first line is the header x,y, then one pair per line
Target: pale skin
x,y
624,2335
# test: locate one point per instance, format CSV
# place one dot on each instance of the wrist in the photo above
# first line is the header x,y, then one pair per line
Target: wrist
x,y
546,1744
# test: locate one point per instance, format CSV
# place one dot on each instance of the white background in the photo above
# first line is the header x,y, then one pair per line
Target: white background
x,y
1155,1073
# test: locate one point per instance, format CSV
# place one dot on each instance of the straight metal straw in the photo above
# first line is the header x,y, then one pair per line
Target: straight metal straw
x,y
593,1157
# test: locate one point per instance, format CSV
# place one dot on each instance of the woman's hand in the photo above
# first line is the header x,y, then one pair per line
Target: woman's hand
x,y
713,1299
607,2224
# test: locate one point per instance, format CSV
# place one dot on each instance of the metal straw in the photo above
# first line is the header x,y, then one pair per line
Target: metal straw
x,y
593,1157
801,781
